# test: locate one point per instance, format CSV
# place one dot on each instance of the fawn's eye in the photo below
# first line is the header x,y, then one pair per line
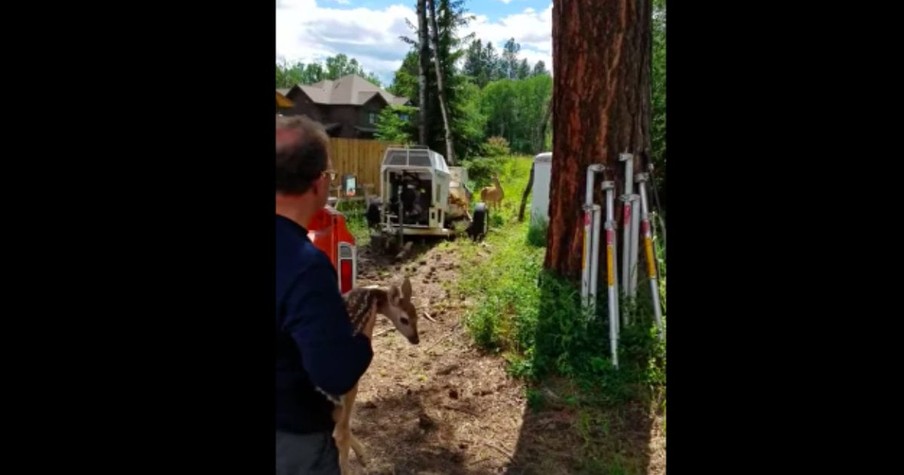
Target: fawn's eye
x,y
404,321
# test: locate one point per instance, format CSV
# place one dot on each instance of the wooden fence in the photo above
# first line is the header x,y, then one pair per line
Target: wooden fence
x,y
358,157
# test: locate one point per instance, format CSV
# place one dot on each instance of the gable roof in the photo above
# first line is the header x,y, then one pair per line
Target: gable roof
x,y
282,100
347,90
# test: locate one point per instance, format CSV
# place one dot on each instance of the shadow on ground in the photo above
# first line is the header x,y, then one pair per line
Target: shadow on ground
x,y
599,420
388,260
401,438
561,439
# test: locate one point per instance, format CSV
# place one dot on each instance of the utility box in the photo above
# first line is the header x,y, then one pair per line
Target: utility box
x,y
539,208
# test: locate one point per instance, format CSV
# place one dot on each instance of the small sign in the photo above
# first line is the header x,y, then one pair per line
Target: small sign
x,y
349,184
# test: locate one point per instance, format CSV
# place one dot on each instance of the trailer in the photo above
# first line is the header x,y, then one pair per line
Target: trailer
x,y
422,196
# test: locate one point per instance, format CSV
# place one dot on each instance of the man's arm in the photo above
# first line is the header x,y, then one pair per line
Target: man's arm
x,y
318,320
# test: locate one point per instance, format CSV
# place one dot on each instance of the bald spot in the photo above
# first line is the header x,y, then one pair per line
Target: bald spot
x,y
286,138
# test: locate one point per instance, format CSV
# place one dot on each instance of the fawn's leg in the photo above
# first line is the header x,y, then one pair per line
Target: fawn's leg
x,y
347,415
341,435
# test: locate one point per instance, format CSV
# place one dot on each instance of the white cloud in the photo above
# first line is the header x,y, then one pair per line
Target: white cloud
x,y
530,28
308,32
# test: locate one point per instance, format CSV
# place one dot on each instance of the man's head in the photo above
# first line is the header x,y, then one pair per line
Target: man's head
x,y
303,166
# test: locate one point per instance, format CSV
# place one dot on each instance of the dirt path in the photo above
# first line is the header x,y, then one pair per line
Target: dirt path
x,y
443,407
440,406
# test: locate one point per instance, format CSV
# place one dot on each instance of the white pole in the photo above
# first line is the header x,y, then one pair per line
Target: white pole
x,y
626,218
648,248
587,262
635,225
594,256
611,269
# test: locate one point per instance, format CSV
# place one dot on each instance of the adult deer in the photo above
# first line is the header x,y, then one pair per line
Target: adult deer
x,y
492,195
364,303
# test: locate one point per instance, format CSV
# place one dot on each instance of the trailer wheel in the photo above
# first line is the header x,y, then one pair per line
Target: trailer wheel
x,y
373,214
377,241
480,222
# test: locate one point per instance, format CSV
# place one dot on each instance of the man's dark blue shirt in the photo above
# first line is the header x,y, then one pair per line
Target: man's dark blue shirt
x,y
315,345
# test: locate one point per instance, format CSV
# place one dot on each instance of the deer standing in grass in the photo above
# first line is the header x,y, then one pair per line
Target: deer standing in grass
x,y
492,195
363,304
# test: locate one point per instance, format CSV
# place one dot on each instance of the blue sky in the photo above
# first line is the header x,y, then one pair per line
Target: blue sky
x,y
368,30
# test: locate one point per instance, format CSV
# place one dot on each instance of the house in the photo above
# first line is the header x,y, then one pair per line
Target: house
x,y
282,102
347,107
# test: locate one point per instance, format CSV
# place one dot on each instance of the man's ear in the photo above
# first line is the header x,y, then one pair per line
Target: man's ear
x,y
318,183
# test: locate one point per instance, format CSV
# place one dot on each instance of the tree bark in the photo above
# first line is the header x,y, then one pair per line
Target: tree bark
x,y
450,159
530,184
601,102
422,58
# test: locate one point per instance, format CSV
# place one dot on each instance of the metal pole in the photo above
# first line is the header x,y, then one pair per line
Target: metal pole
x,y
401,218
594,257
635,225
587,263
592,170
648,248
611,269
626,217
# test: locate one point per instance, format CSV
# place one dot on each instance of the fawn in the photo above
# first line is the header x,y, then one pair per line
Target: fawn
x,y
364,303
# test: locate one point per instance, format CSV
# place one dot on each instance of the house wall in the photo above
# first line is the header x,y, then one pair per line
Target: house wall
x,y
348,116
304,105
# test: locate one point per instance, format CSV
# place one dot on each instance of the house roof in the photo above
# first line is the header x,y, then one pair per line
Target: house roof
x,y
348,90
282,100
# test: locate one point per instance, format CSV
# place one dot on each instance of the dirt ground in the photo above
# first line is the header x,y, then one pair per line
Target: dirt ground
x,y
444,407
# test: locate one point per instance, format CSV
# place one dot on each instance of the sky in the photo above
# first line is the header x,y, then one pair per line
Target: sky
x,y
369,30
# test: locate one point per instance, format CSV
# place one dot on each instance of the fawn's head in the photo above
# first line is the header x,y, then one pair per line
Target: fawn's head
x,y
400,311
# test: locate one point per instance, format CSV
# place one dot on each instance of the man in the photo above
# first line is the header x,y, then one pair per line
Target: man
x,y
315,349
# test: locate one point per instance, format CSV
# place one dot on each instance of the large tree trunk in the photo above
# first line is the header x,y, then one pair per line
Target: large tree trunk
x,y
450,159
601,104
422,58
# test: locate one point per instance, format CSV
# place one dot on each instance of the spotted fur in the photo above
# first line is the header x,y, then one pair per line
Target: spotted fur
x,y
363,305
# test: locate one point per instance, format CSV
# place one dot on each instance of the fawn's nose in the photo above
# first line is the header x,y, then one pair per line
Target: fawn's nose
x,y
415,339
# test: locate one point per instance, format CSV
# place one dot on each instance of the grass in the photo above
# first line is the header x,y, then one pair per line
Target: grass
x,y
479,174
355,220
534,320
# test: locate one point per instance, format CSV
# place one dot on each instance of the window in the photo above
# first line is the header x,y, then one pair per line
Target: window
x,y
372,117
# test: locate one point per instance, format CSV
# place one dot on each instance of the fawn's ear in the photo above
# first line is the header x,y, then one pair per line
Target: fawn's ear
x,y
406,289
394,294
